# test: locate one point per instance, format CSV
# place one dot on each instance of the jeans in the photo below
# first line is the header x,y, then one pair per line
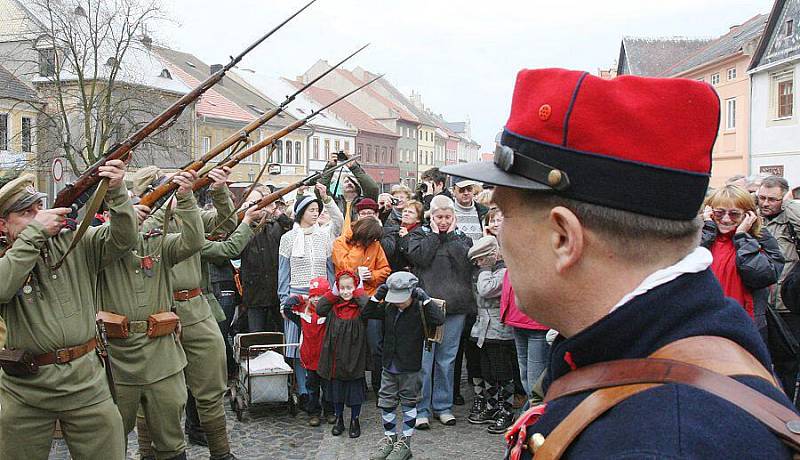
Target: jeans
x,y
317,387
439,364
227,300
532,351
375,342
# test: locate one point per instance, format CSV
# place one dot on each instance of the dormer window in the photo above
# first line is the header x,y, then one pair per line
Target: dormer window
x,y
165,74
788,30
191,64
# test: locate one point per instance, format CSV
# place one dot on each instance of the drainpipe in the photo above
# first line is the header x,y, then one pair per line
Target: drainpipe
x,y
308,148
750,132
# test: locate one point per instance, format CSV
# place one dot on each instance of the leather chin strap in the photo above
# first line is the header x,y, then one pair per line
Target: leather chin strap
x,y
703,362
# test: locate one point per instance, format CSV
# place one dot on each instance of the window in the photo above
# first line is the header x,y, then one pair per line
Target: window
x,y
26,134
289,152
789,29
730,113
298,153
732,73
384,160
327,148
336,145
715,79
279,152
783,93
3,131
206,144
47,62
391,155
316,148
347,147
360,150
369,153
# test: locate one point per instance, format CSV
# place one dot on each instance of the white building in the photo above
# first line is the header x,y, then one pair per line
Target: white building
x,y
775,73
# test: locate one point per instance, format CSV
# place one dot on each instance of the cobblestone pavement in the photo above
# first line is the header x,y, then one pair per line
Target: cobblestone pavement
x,y
271,433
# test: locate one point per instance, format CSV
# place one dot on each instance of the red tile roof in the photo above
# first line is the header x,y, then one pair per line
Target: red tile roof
x,y
403,113
345,110
211,103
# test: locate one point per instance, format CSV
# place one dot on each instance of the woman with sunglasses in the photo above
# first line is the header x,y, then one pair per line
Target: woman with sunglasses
x,y
746,257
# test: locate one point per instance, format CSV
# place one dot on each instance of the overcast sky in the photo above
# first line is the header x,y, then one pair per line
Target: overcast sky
x,y
461,55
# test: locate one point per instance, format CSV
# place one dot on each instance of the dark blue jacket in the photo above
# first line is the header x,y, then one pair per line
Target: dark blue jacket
x,y
671,421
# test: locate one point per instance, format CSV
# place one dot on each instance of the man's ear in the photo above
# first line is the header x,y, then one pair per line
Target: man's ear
x,y
3,226
568,239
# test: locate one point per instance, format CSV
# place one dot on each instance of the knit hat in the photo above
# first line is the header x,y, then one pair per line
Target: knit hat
x,y
318,286
484,246
367,203
636,144
19,194
302,204
143,178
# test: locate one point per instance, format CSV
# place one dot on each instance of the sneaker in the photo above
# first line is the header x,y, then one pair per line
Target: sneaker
x,y
487,415
385,448
502,421
314,421
422,423
401,451
478,405
447,419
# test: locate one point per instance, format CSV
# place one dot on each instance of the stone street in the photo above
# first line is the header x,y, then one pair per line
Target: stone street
x,y
270,432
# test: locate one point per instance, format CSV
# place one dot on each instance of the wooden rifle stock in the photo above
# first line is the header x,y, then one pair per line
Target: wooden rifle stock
x,y
74,195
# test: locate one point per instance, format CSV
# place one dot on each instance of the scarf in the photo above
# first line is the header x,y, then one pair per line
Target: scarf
x,y
299,244
411,227
724,267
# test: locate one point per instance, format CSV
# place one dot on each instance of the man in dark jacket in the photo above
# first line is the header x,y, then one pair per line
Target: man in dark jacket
x,y
438,255
434,182
259,269
618,272
355,188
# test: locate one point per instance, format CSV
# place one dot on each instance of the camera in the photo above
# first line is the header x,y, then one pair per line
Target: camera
x,y
422,188
395,201
341,156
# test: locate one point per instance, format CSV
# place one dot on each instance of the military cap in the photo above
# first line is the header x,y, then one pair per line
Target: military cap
x,y
144,177
483,247
401,285
632,143
19,194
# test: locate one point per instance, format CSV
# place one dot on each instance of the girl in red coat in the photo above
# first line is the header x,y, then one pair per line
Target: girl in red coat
x,y
344,350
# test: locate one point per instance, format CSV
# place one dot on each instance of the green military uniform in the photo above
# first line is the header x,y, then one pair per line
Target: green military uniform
x,y
206,374
149,371
49,310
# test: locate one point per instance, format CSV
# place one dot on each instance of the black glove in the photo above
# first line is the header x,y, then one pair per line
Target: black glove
x,y
420,295
381,292
292,302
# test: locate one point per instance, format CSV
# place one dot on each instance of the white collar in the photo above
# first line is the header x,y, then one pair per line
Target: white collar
x,y
695,262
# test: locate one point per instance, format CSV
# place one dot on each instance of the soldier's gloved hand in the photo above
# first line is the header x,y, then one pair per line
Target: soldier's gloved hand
x,y
420,295
380,293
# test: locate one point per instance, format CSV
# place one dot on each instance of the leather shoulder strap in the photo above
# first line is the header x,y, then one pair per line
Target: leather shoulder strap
x,y
703,362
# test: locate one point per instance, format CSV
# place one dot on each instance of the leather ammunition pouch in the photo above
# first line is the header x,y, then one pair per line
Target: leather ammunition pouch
x,y
18,363
116,325
161,324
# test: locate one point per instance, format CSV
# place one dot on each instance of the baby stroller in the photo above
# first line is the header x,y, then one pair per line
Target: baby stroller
x,y
263,377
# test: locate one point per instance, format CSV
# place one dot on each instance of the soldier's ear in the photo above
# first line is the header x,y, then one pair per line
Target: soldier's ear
x,y
3,225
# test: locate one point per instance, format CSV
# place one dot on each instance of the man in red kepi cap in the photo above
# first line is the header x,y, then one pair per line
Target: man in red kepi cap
x,y
600,183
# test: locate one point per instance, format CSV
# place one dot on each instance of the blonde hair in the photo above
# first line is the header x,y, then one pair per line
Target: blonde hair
x,y
739,198
442,202
485,197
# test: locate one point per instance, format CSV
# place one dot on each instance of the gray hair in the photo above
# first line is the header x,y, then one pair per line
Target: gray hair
x,y
776,181
636,237
442,202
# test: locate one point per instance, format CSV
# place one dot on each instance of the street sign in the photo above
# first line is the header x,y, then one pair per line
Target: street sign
x,y
58,169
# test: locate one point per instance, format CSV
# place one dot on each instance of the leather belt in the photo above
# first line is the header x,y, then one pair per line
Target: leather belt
x,y
65,355
139,327
186,294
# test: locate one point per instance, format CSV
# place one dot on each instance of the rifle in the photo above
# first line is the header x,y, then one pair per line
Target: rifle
x,y
77,194
274,196
154,196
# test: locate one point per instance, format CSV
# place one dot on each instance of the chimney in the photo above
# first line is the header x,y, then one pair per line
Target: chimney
x,y
214,68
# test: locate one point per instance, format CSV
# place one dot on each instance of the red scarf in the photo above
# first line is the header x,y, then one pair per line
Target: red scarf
x,y
411,227
724,268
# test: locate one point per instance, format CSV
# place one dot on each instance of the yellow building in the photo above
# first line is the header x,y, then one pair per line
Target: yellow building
x,y
18,115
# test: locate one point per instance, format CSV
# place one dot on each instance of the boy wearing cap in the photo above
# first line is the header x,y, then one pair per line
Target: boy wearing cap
x,y
401,305
600,182
51,314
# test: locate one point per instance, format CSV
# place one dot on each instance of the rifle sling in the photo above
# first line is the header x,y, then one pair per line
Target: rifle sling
x,y
94,206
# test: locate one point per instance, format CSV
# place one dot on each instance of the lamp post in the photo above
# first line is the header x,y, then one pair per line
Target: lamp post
x,y
383,189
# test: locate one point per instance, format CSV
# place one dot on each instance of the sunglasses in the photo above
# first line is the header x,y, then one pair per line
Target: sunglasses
x,y
734,214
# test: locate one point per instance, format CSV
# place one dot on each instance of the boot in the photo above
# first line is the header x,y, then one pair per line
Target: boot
x,y
384,448
217,437
355,428
338,427
502,421
191,426
402,450
181,456
478,405
228,456
487,415
145,443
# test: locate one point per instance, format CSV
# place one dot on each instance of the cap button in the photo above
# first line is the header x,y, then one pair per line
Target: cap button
x,y
554,177
545,111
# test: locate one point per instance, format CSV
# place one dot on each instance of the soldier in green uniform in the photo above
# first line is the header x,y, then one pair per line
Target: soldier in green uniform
x,y
148,371
206,374
51,314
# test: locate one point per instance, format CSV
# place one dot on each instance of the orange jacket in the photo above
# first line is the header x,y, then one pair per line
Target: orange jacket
x,y
347,256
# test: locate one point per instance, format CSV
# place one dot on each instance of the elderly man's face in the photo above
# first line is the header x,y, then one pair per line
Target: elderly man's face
x,y
770,200
15,222
464,196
